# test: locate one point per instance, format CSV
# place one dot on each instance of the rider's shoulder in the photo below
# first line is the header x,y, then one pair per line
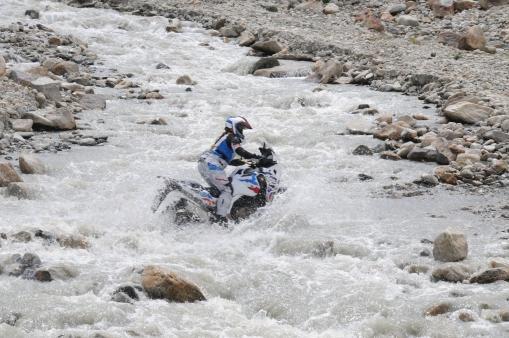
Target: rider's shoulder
x,y
234,139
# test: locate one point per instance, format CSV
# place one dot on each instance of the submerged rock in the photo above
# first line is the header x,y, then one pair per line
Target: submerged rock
x,y
160,283
450,247
362,150
185,80
8,174
438,309
125,294
29,164
452,272
490,276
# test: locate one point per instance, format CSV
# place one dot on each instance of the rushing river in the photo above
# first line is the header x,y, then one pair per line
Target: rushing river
x,y
274,275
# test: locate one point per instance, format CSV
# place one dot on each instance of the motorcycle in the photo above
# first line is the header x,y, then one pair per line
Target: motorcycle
x,y
253,184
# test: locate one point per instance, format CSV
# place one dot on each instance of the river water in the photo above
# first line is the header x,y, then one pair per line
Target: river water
x,y
324,260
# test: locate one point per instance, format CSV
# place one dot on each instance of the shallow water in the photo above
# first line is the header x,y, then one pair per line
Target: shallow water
x,y
275,275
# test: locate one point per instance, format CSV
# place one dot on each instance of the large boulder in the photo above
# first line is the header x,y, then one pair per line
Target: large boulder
x,y
329,71
497,136
472,39
160,283
490,276
8,174
3,66
29,164
59,119
450,247
467,112
452,272
268,47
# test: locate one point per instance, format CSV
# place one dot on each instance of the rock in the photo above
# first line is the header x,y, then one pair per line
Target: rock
x,y
466,317
370,21
497,136
362,150
60,119
65,67
329,71
230,31
160,283
29,164
268,47
490,276
8,174
463,5
174,26
504,315
3,66
359,127
364,177
442,8
396,9
43,276
505,125
73,242
427,154
498,262
486,4
185,80
93,101
20,190
32,13
500,166
22,125
330,8
246,39
408,120
389,155
449,39
45,85
125,294
452,272
264,63
469,157
450,247
389,132
154,95
418,269
467,112
286,69
54,41
161,65
62,271
22,236
438,309
407,20
427,181
472,39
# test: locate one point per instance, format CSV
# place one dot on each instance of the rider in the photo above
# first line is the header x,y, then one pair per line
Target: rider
x,y
213,162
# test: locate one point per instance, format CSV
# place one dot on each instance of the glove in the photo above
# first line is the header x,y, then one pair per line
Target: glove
x,y
237,162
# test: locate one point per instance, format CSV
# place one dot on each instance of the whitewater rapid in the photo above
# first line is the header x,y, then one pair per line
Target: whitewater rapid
x,y
274,275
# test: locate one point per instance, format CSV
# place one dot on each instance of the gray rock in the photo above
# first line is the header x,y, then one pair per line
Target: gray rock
x,y
22,125
359,127
32,13
8,174
396,9
50,88
264,63
330,8
246,39
362,150
286,69
60,119
268,47
185,80
452,272
505,125
20,190
407,20
497,136
490,276
174,26
3,66
22,236
467,112
450,247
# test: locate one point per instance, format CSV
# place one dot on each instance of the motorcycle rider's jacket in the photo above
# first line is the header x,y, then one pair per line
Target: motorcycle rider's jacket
x,y
228,145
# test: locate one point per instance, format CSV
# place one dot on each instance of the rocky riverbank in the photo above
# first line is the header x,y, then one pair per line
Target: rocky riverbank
x,y
437,50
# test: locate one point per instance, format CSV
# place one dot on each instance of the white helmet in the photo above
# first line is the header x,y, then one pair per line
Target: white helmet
x,y
237,124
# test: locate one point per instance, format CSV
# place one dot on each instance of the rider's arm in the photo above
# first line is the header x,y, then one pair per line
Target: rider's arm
x,y
235,142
